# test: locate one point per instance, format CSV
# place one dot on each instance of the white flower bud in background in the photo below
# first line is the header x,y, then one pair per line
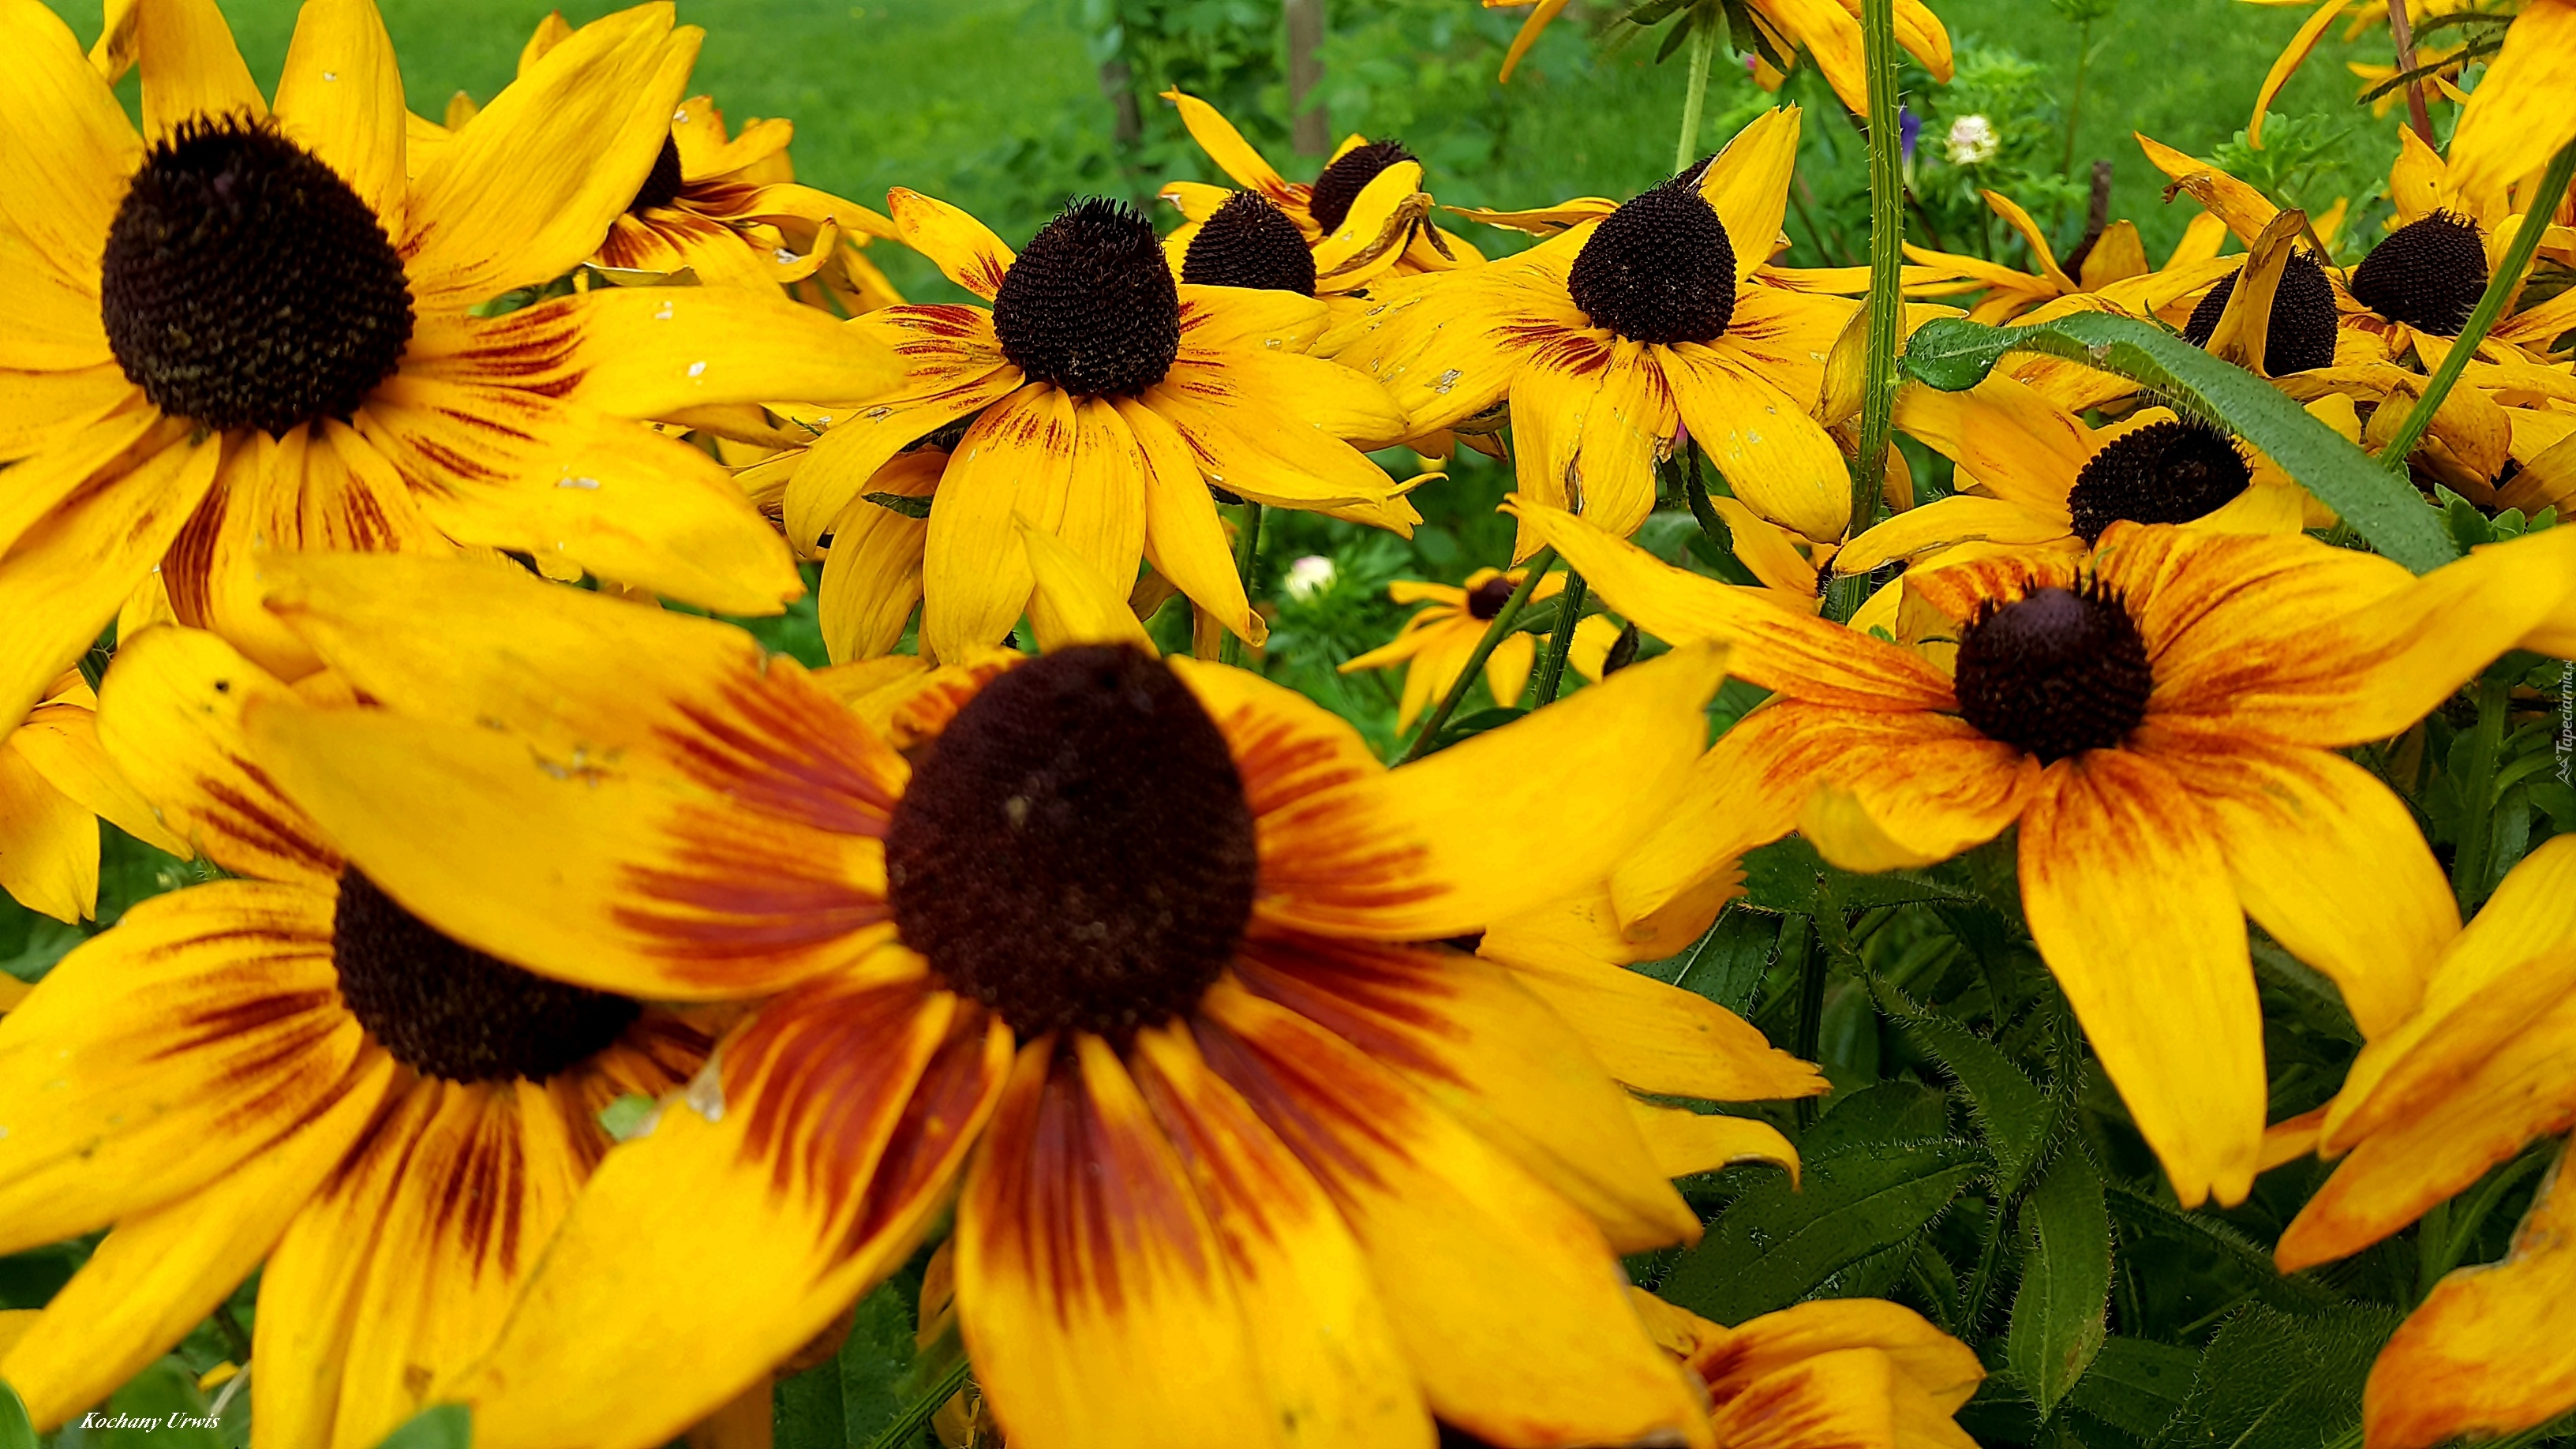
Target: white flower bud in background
x,y
1308,577
1972,141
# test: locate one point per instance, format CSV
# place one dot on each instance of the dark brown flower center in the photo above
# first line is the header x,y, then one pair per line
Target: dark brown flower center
x,y
1486,600
2169,472
1250,242
2427,274
447,1010
1659,269
1340,184
1076,851
662,185
2056,672
2302,330
1089,306
244,285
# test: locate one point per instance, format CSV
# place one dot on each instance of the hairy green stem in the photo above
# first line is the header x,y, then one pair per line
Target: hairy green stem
x,y
1703,50
2477,789
1886,260
1247,553
2517,256
1569,614
1495,633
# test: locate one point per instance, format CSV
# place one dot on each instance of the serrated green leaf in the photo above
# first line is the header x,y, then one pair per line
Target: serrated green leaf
x,y
2136,1385
806,1410
2008,1107
441,1426
873,1363
1674,37
1774,1246
2062,1311
17,1431
2217,1244
1954,354
1727,962
2273,1380
1880,1112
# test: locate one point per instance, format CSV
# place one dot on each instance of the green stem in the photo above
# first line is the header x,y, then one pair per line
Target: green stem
x,y
1569,613
2477,789
1886,260
2075,103
1495,633
1703,49
2517,257
1695,490
1811,1007
1247,552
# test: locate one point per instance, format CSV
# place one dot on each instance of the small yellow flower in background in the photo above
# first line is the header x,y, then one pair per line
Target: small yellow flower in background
x,y
1107,400
2033,475
2366,15
290,1067
1365,216
1611,335
2485,1065
1829,33
253,334
56,784
1434,644
1843,1371
726,209
2158,718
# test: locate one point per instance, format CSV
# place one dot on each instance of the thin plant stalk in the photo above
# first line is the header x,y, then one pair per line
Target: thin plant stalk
x,y
2517,257
2075,102
1703,51
2477,789
2404,31
1247,553
1886,260
1569,613
1501,626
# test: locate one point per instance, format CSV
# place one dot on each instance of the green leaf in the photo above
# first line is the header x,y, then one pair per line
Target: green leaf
x,y
2216,1245
1776,1245
2010,1110
2062,1311
903,503
441,1426
17,1431
1726,964
873,1363
1954,354
1782,876
1881,1112
2136,1386
806,1410
2273,1380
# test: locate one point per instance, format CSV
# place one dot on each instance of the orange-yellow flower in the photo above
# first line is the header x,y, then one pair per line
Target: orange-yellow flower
x,y
1434,644
1842,1371
1106,400
2158,717
1144,939
2485,1065
56,784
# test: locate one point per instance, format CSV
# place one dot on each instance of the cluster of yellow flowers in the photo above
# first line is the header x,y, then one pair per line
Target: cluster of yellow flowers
x,y
1280,1096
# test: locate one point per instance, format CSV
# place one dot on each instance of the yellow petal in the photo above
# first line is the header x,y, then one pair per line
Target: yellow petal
x,y
1748,186
964,249
2292,55
341,98
191,67
1074,602
759,1205
1590,418
648,352
1684,1142
1776,457
1225,145
61,740
872,575
1016,462
163,1270
2524,109
2129,900
48,843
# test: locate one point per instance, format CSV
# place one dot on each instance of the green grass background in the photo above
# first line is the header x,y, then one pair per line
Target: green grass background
x,y
996,103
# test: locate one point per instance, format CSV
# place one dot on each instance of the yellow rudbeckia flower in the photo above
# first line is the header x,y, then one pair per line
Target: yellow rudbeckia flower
x,y
56,784
1611,335
2033,475
724,208
2485,1065
1365,216
1843,1371
1125,953
1434,644
2158,718
2113,272
1106,401
291,1068
1828,30
248,332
